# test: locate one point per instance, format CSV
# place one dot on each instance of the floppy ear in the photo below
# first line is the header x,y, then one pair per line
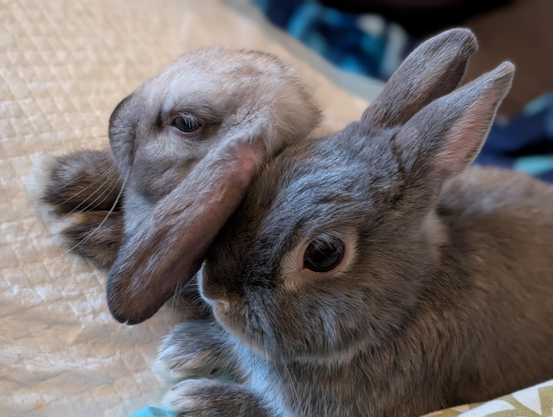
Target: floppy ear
x,y
434,69
445,137
169,246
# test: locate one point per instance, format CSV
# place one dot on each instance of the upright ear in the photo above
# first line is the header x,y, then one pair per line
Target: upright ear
x,y
434,69
445,137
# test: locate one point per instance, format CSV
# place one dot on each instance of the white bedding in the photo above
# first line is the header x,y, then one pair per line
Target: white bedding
x,y
64,65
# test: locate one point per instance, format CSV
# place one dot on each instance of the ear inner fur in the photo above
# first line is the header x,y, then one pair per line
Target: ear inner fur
x,y
450,132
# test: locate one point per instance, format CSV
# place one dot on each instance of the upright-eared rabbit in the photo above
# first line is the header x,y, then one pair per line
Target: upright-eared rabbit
x,y
368,273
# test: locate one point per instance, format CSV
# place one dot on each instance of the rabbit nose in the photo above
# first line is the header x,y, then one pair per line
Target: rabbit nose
x,y
221,305
214,292
218,302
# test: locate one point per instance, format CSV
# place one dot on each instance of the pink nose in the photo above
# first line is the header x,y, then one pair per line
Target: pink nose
x,y
221,305
214,292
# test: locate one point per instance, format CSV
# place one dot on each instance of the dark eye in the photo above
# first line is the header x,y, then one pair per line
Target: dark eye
x,y
185,123
323,256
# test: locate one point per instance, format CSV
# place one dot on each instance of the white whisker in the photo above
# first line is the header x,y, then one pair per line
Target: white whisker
x,y
103,199
108,172
84,174
111,175
101,224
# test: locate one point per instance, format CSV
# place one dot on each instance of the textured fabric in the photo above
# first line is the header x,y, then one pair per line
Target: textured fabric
x,y
453,411
64,65
536,401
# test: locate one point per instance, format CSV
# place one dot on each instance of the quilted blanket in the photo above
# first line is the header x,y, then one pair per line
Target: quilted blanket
x,y
64,65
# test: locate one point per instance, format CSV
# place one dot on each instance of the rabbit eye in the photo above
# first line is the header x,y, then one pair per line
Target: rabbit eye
x,y
185,123
323,256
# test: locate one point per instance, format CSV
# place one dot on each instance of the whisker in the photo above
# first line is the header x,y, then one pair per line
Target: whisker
x,y
179,288
266,360
105,135
111,175
173,303
294,391
101,224
108,190
84,174
108,172
104,199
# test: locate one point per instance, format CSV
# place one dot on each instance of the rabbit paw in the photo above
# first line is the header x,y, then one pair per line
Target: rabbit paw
x,y
212,398
194,348
76,193
85,180
96,235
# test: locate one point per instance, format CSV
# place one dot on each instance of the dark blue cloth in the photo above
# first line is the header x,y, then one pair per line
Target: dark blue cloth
x,y
362,44
525,143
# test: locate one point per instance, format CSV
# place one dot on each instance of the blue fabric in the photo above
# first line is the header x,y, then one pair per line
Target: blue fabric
x,y
525,143
342,38
153,412
370,46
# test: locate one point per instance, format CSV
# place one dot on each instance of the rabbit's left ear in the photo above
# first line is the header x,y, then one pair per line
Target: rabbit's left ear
x,y
167,249
445,137
431,71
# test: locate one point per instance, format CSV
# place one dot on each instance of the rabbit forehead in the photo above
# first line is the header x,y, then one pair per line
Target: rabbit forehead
x,y
317,182
221,79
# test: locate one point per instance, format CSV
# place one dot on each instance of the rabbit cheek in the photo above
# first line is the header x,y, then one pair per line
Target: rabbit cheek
x,y
156,178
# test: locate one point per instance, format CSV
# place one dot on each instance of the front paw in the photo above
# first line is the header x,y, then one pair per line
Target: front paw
x,y
194,348
85,180
79,196
96,235
212,398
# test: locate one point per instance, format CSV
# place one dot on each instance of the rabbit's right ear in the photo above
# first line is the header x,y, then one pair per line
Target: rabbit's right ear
x,y
433,70
445,137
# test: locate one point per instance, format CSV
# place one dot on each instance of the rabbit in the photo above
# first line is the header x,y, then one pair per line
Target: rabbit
x,y
373,272
213,117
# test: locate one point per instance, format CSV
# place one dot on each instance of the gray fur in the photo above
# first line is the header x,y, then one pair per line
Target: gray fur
x,y
80,190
